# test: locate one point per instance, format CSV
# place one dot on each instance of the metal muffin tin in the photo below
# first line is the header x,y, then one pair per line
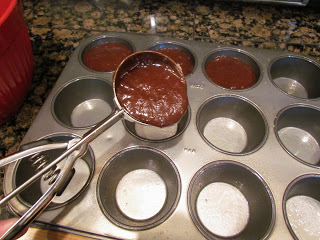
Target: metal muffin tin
x,y
261,156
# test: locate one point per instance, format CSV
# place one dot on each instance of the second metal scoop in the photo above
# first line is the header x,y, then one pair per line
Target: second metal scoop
x,y
47,197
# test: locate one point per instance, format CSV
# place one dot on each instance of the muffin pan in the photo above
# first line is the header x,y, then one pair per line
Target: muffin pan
x,y
263,141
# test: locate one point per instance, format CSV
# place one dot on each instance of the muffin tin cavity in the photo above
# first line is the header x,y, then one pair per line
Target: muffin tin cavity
x,y
232,69
149,174
296,76
178,53
238,184
105,53
84,168
297,129
83,102
232,124
301,207
146,132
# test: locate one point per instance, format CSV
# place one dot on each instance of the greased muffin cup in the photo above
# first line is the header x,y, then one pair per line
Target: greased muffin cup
x,y
129,216
261,210
260,142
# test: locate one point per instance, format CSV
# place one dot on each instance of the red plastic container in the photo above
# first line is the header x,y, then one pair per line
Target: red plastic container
x,y
16,59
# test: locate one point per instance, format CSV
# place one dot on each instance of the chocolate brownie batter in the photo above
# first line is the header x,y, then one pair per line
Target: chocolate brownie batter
x,y
152,92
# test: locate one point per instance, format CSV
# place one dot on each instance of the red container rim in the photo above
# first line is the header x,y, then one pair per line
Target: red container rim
x,y
6,7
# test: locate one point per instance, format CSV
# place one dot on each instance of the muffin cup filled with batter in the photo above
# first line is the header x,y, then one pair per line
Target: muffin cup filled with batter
x,y
104,54
227,199
232,69
138,188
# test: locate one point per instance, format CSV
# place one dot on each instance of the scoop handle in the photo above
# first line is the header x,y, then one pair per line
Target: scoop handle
x,y
102,126
28,152
86,139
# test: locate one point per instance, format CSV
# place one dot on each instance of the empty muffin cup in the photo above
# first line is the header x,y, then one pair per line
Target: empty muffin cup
x,y
179,54
83,102
227,199
297,130
138,188
232,124
232,69
154,134
27,168
301,207
296,76
105,53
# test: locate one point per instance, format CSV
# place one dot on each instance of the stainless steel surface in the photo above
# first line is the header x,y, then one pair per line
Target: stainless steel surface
x,y
189,152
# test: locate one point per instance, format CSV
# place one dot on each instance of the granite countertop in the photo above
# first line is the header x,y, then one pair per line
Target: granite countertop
x,y
57,26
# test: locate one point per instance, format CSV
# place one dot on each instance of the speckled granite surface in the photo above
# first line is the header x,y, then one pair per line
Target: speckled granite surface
x,y
57,26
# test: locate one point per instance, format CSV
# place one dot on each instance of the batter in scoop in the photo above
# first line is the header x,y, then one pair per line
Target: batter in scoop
x,y
153,93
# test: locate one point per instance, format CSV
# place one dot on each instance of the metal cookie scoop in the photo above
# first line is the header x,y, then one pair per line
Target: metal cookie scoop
x,y
130,62
47,197
77,147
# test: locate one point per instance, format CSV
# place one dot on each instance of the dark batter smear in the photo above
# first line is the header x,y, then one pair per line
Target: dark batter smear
x,y
106,57
229,72
153,93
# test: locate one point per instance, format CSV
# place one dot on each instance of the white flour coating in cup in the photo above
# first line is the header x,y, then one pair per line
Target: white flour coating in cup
x,y
79,179
223,209
226,134
303,213
141,194
155,133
